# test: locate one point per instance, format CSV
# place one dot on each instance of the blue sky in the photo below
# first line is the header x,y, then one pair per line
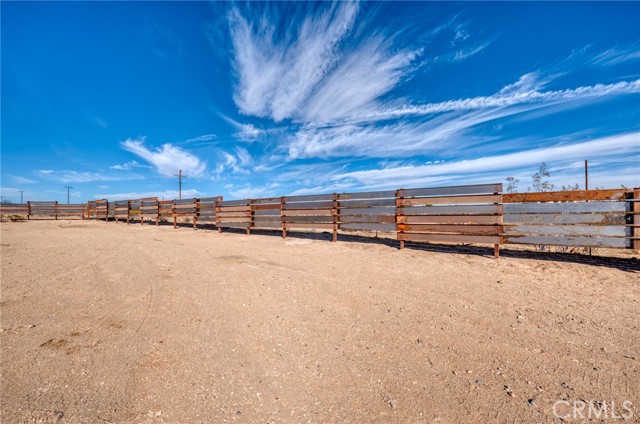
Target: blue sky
x,y
265,99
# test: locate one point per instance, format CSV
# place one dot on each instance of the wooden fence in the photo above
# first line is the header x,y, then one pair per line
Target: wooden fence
x,y
45,209
473,214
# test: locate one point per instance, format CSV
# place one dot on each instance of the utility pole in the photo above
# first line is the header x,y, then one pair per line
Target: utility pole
x,y
21,191
180,177
586,174
68,189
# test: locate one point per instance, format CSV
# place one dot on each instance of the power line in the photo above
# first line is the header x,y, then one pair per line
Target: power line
x,y
68,189
21,191
180,177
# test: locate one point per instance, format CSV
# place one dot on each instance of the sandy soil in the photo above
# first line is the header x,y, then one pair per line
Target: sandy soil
x,y
104,322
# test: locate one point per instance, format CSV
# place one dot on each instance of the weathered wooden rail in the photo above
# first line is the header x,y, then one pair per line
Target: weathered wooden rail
x,y
473,214
45,209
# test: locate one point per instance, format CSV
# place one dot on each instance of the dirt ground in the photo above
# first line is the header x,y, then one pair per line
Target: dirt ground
x,y
104,322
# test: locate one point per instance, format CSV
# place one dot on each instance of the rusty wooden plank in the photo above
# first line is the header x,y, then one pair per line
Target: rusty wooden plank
x,y
569,230
564,196
578,207
370,211
451,191
451,229
267,224
274,200
450,219
367,195
309,219
319,226
450,238
308,205
235,219
367,226
267,213
311,212
235,208
224,212
451,200
573,241
366,203
233,202
233,224
370,218
307,198
565,218
268,207
452,210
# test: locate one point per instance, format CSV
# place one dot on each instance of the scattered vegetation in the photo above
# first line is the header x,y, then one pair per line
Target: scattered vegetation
x,y
12,218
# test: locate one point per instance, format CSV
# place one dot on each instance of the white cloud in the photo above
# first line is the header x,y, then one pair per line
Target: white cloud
x,y
66,176
128,166
617,55
254,192
200,139
276,77
167,159
361,77
237,163
619,146
505,99
463,54
100,122
22,180
245,132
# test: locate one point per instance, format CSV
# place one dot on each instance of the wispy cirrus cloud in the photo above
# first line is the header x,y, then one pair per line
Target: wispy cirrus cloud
x,y
512,95
617,55
417,175
309,75
245,132
68,176
275,76
167,159
128,166
22,180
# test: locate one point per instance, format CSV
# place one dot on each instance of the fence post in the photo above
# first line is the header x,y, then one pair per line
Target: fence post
x,y
250,223
496,247
217,219
55,208
128,211
283,218
334,212
195,213
28,210
636,219
398,216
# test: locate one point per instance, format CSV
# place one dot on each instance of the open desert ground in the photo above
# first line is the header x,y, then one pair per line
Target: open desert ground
x,y
116,323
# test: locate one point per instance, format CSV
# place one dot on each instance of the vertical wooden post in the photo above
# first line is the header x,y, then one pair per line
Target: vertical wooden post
x,y
217,219
28,210
636,219
399,219
496,247
283,218
55,208
250,215
128,211
195,213
157,212
334,213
